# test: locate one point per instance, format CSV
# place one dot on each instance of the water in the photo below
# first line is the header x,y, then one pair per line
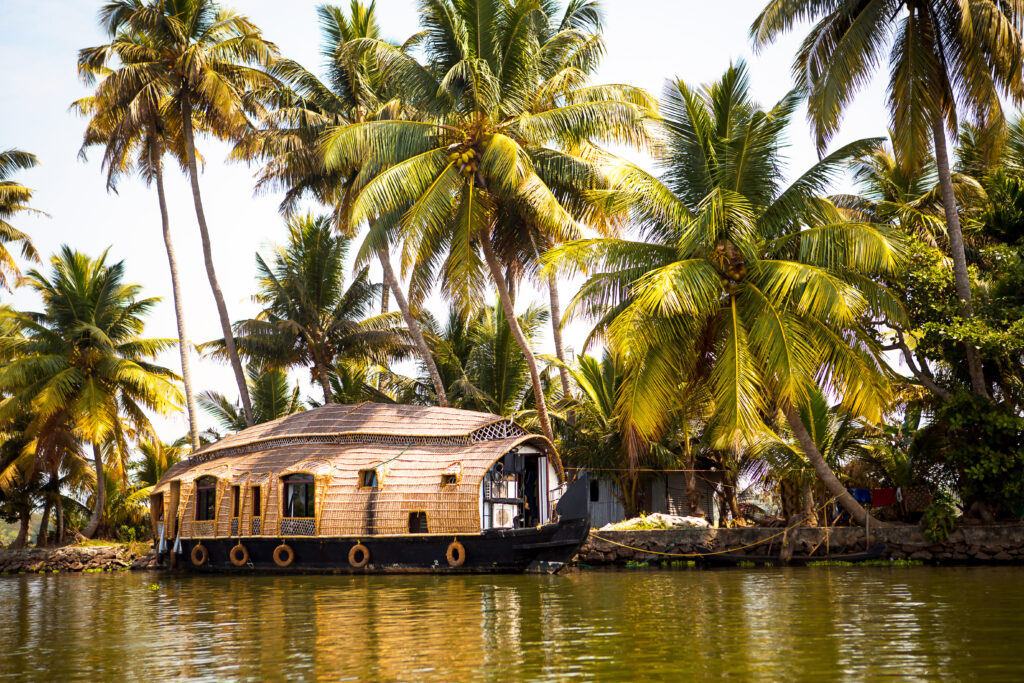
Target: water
x,y
774,624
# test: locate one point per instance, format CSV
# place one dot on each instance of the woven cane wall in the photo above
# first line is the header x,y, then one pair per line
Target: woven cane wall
x,y
409,452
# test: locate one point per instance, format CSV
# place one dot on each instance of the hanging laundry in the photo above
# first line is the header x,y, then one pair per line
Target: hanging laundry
x,y
882,497
862,496
918,498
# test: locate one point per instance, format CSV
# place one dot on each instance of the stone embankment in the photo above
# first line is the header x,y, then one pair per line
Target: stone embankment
x,y
991,544
116,557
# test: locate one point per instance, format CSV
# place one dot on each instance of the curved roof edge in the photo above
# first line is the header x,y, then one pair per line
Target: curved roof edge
x,y
362,423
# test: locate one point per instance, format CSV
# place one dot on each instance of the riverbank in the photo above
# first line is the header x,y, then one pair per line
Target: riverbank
x,y
990,544
91,558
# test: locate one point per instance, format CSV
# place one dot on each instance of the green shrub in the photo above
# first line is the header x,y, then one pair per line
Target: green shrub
x,y
939,519
980,446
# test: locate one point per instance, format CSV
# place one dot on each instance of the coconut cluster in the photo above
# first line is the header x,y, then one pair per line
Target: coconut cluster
x,y
467,160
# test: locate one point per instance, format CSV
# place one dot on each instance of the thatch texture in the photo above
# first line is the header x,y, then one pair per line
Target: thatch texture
x,y
410,447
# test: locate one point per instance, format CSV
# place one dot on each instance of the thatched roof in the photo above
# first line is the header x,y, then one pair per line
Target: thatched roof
x,y
411,447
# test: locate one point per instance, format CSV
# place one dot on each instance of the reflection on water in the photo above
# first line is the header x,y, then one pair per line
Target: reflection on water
x,y
920,623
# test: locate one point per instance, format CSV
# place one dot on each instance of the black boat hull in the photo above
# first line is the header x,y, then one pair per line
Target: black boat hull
x,y
544,549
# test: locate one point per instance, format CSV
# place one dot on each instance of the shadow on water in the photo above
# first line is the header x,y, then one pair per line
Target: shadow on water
x,y
839,622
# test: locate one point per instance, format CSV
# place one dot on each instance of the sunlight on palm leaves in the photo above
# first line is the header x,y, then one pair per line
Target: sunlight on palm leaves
x,y
14,201
737,283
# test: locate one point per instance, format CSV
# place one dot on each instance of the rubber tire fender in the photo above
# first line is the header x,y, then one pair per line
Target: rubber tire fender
x,y
239,555
284,549
358,548
200,555
456,554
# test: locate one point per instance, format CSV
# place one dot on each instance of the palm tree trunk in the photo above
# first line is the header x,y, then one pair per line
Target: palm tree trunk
x,y
692,497
100,499
385,297
517,332
325,381
414,327
729,489
556,329
828,477
44,523
25,517
810,510
59,531
179,310
211,274
956,248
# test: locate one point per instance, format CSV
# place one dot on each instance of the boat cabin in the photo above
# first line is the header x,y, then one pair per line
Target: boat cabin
x,y
362,470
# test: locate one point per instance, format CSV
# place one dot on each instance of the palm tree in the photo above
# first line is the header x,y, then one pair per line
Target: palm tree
x,y
911,201
204,61
944,58
289,140
156,457
135,130
596,440
738,286
446,180
81,366
840,437
498,375
273,397
14,199
309,317
479,359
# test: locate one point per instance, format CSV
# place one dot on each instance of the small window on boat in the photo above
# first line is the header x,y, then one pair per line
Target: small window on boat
x,y
298,495
368,479
595,490
449,479
236,501
206,498
257,501
418,523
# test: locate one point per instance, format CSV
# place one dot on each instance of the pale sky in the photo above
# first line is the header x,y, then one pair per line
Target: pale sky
x,y
648,41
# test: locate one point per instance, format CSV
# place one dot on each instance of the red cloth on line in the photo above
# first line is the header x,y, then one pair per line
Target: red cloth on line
x,y
882,497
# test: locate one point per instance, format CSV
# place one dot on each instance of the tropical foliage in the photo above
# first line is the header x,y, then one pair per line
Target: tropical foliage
x,y
309,317
746,318
14,200
179,60
738,284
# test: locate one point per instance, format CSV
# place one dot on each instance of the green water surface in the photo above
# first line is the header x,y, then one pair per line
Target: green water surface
x,y
784,624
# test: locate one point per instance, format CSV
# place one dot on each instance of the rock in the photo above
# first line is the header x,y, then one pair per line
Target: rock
x,y
982,556
921,555
1002,556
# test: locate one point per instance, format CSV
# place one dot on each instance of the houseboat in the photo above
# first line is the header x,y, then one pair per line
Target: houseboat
x,y
372,488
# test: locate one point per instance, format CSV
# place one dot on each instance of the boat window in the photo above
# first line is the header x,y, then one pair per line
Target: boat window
x,y
595,490
368,479
418,523
298,495
236,500
449,479
206,498
257,502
